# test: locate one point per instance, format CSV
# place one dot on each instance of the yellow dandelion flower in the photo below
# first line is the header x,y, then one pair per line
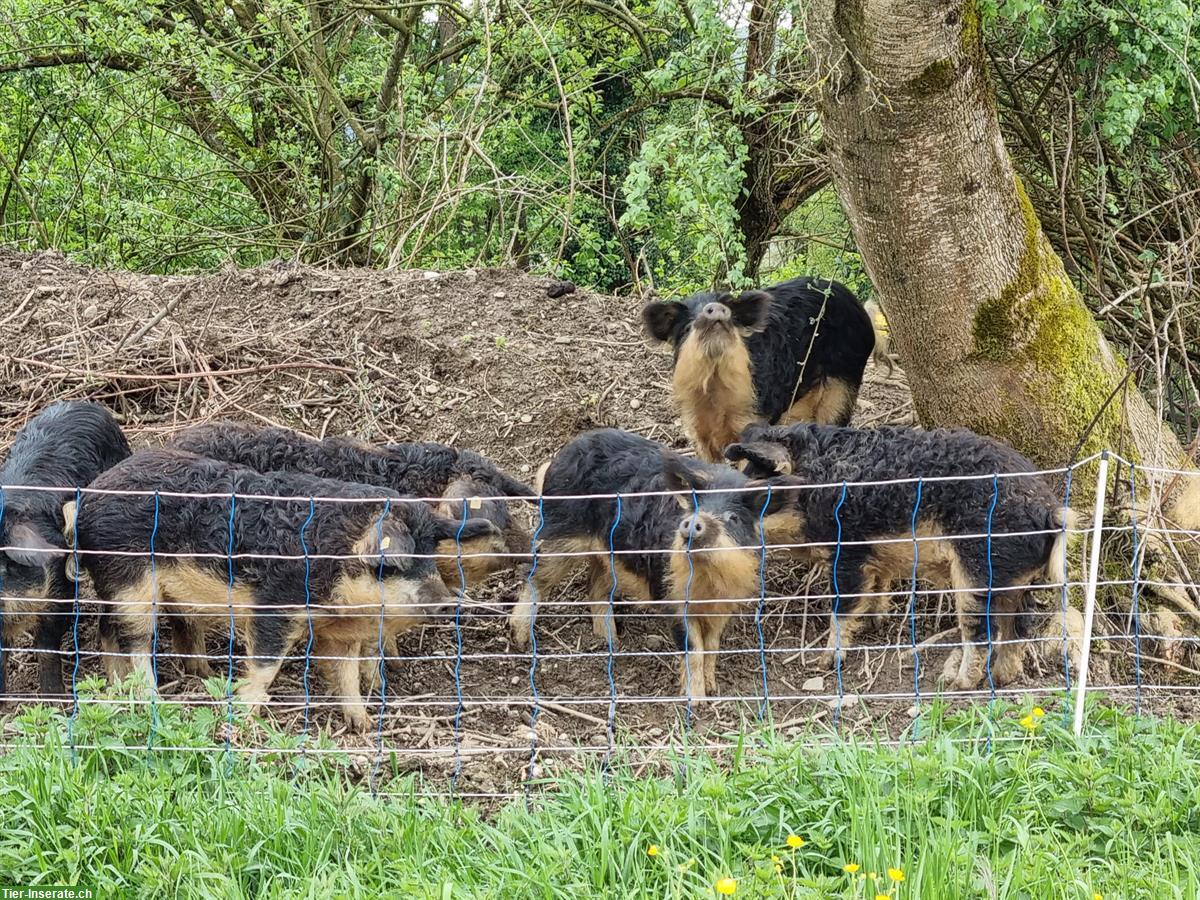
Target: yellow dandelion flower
x,y
1029,723
795,841
883,897
896,874
1038,712
775,859
851,868
652,850
1096,896
726,886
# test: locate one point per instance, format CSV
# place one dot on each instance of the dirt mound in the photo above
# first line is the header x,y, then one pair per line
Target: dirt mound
x,y
480,359
483,359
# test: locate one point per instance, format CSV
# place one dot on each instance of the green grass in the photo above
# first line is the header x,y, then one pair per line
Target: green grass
x,y
1039,816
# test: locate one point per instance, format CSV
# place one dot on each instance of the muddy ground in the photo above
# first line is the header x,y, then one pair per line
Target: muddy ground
x,y
482,359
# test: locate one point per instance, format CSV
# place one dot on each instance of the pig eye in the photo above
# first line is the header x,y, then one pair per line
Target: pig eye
x,y
733,518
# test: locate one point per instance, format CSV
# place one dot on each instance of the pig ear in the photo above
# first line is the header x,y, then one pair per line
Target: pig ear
x,y
28,548
389,542
776,494
446,529
762,458
661,319
750,309
680,477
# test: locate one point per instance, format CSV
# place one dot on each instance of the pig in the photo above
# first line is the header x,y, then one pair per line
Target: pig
x,y
463,479
1029,525
64,447
368,576
794,352
653,540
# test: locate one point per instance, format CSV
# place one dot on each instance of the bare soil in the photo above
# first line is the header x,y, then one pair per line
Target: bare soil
x,y
481,359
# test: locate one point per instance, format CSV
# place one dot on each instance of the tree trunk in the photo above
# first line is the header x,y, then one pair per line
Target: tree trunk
x,y
992,333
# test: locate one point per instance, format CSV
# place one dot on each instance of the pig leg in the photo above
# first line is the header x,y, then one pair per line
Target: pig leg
x,y
52,625
267,642
972,627
599,588
714,626
126,631
550,571
345,671
853,609
189,638
690,638
1008,659
369,664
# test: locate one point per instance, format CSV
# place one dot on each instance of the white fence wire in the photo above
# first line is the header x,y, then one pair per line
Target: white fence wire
x,y
448,695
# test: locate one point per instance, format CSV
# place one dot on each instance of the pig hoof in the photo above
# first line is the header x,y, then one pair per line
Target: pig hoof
x,y
828,659
198,667
519,636
950,669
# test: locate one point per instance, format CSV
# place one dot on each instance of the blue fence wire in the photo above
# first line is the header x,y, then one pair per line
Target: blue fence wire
x,y
153,631
308,616
1135,599
3,612
611,718
460,594
535,599
689,714
76,611
232,630
836,622
1065,605
912,616
765,705
382,671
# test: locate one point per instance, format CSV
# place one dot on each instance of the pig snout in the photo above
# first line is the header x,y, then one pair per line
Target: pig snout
x,y
693,529
436,601
715,312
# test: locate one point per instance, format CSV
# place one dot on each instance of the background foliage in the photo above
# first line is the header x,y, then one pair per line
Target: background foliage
x,y
625,144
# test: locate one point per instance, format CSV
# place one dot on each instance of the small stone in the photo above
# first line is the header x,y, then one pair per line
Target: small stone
x,y
499,295
526,469
431,388
814,685
432,276
560,289
90,311
635,403
515,680
470,275
526,419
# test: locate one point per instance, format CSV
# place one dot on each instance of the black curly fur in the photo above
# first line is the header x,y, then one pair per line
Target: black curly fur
x,y
831,455
782,320
66,445
124,522
414,469
610,461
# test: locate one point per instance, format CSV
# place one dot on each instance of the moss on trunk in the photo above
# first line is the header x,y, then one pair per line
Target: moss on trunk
x,y
1039,320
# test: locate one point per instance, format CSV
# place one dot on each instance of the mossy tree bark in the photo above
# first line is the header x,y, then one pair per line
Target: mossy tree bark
x,y
992,333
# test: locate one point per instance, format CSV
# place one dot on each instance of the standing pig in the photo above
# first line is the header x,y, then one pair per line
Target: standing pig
x,y
654,539
462,478
358,558
65,447
874,530
794,352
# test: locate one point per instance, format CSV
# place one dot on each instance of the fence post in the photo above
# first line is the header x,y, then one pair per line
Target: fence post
x,y
1089,599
